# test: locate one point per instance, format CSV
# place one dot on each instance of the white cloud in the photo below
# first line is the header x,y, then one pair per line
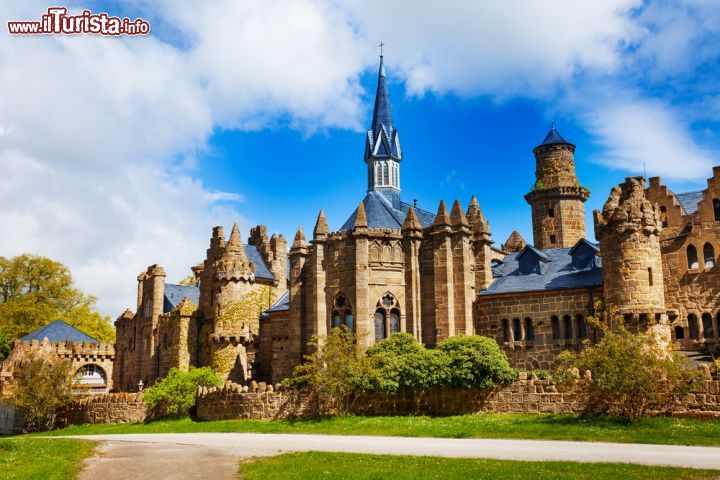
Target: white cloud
x,y
646,134
99,136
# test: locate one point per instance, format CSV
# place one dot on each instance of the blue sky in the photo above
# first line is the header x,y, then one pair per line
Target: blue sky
x,y
119,153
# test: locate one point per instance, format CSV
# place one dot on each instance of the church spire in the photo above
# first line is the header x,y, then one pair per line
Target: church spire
x,y
382,115
382,145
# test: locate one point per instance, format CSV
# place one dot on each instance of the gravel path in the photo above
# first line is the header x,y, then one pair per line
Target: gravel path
x,y
216,455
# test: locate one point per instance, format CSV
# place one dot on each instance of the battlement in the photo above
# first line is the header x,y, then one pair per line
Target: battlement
x,y
69,348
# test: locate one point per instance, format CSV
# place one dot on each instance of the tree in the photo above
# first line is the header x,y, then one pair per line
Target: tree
x,y
35,291
630,371
44,387
335,372
188,281
175,394
5,346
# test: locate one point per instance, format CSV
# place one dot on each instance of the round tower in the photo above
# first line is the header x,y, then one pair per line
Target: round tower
x,y
628,229
557,199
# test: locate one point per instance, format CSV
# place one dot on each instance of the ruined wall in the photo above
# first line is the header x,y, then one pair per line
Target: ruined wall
x,y
691,294
111,408
569,307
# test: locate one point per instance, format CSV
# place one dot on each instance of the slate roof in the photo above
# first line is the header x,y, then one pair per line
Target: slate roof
x,y
558,274
381,214
261,269
554,138
59,331
689,200
281,305
174,294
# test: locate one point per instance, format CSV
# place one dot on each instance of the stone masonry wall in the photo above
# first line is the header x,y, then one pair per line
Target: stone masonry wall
x,y
527,395
110,408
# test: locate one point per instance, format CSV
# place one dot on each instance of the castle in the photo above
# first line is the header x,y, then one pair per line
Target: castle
x,y
394,267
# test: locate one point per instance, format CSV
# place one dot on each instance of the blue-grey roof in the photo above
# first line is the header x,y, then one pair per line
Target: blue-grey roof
x,y
381,214
282,304
174,294
261,268
558,274
554,138
58,331
689,200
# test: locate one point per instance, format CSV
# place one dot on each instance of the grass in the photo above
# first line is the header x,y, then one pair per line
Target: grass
x,y
42,459
346,465
658,430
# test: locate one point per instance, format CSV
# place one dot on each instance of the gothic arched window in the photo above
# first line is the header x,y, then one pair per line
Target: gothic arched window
x,y
709,255
517,330
567,324
342,313
692,257
555,322
387,317
529,329
581,326
386,174
379,325
505,330
707,325
693,326
716,209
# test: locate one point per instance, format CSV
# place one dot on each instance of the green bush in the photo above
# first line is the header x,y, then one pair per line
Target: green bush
x,y
175,394
476,362
463,361
5,346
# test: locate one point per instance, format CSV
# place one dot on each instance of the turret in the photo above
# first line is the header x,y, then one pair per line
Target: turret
x,y
557,199
481,245
628,229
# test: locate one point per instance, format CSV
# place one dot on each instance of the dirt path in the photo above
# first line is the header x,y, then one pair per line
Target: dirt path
x,y
217,455
167,461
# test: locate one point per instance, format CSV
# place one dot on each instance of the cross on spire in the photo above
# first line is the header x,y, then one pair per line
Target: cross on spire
x,y
381,47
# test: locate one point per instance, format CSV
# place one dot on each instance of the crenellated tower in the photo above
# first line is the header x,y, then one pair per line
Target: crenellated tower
x,y
628,229
557,199
382,146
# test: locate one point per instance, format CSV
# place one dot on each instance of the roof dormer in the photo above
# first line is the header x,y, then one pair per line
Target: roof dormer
x,y
584,255
531,260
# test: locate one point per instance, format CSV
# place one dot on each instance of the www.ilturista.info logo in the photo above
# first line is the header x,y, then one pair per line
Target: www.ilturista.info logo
x,y
57,21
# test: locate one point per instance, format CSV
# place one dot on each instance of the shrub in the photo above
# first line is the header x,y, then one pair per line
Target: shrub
x,y
5,346
44,388
175,394
632,371
335,371
476,362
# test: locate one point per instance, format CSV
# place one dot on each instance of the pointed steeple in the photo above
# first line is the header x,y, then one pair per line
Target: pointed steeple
x,y
299,241
382,115
321,226
554,138
361,217
457,216
234,243
382,145
411,221
514,243
476,218
442,218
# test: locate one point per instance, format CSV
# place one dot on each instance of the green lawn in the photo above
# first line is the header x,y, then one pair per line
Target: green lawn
x,y
42,459
659,430
346,465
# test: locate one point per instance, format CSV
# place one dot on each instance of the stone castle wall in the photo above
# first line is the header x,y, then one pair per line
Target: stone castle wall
x,y
566,308
691,294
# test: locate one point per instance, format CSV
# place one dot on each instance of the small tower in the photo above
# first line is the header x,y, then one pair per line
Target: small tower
x,y
382,146
557,199
628,229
